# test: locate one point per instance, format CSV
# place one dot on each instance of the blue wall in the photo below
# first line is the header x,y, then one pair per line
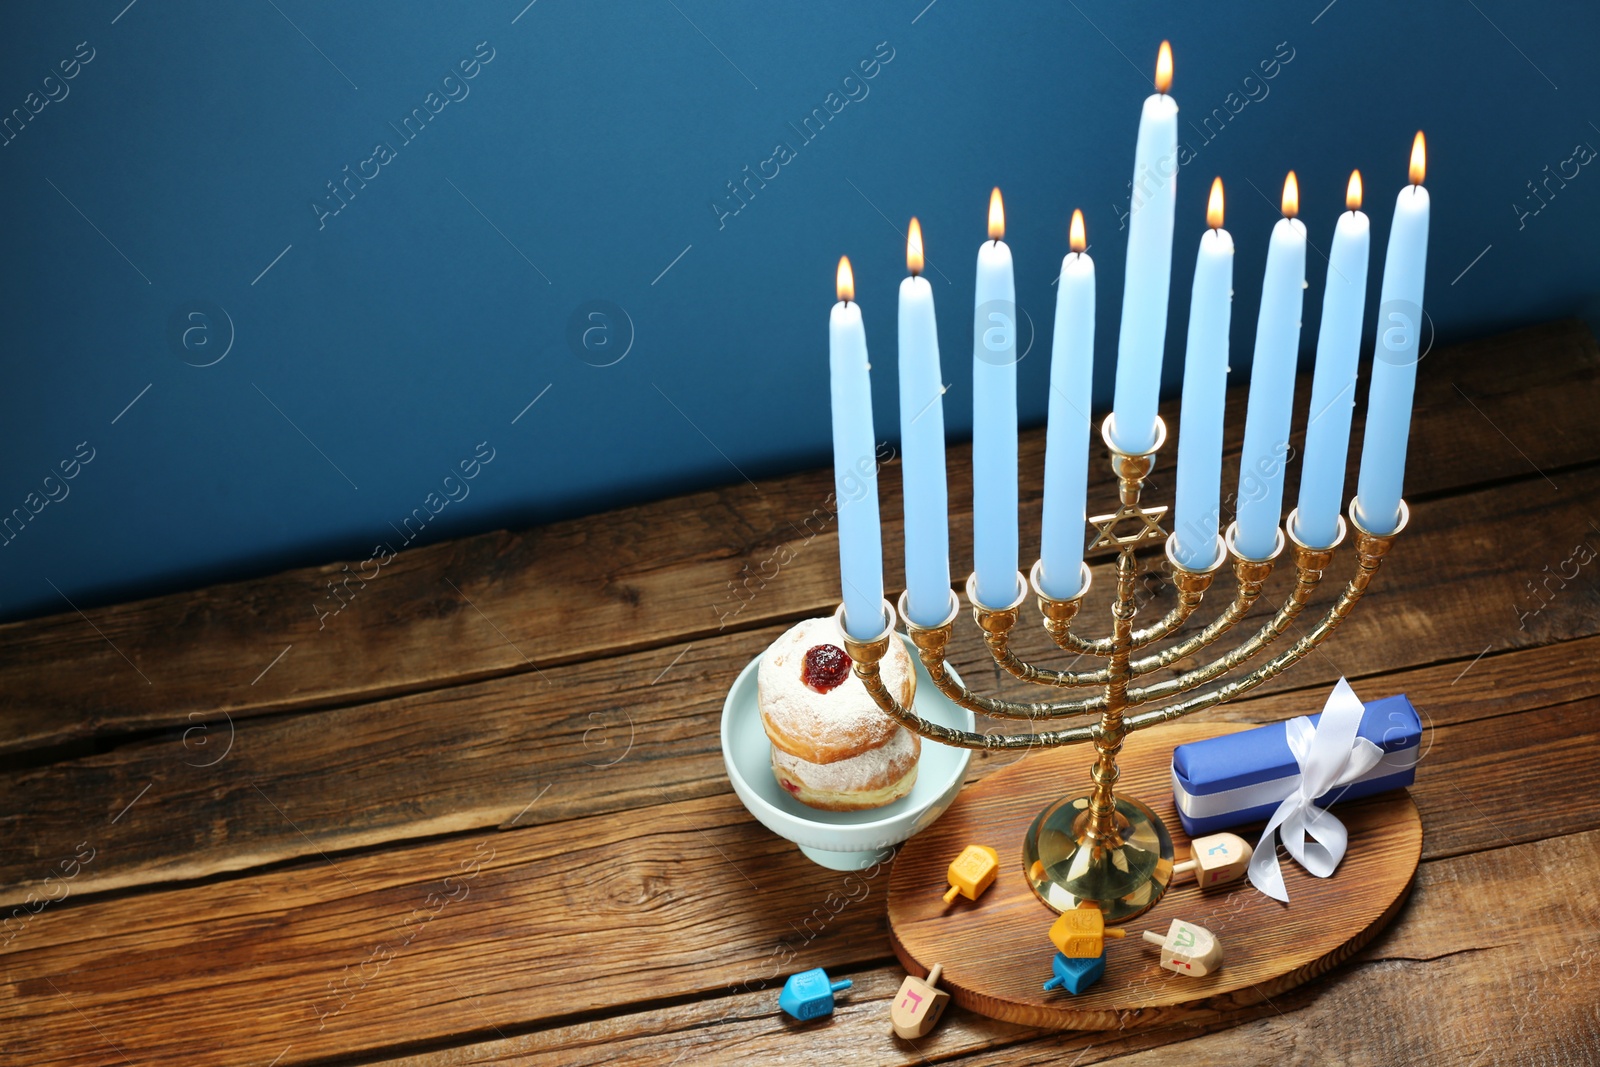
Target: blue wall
x,y
184,169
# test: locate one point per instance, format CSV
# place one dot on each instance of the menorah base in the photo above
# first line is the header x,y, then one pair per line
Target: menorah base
x,y
1066,865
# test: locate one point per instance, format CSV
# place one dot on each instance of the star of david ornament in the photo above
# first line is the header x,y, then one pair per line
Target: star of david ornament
x,y
1149,527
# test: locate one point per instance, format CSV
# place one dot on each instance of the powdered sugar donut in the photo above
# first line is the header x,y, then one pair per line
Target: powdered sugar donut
x,y
839,721
877,777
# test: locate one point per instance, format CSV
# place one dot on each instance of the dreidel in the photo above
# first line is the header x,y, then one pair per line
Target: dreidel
x,y
809,994
972,872
1216,859
1080,933
918,1005
1187,948
1075,975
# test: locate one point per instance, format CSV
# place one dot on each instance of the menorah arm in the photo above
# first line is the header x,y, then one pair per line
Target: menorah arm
x,y
1008,709
932,642
867,657
1192,586
1370,548
996,624
930,648
1309,566
1251,576
1068,641
1000,649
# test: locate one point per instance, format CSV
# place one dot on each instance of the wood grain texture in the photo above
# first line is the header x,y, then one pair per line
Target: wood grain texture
x,y
1532,998
673,571
714,903
991,948
1443,986
614,733
629,910
620,731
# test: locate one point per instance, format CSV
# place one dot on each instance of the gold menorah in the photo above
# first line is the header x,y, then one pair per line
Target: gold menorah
x,y
1102,848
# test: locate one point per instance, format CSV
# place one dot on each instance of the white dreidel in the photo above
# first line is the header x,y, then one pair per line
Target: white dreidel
x,y
1187,948
1215,860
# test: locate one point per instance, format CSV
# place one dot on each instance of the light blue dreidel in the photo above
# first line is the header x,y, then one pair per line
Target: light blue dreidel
x,y
1075,975
809,994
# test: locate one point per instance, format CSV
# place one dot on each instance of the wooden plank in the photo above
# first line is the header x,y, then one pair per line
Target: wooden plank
x,y
672,902
1467,987
643,577
615,733
1445,987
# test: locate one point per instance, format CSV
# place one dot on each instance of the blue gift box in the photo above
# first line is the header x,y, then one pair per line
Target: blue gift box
x,y
1241,778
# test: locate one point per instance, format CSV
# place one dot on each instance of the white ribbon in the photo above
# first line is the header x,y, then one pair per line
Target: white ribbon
x,y
1330,755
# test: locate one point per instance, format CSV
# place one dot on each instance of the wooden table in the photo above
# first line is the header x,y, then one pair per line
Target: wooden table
x,y
480,815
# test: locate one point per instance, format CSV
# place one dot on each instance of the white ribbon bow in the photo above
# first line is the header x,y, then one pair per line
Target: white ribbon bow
x,y
1330,755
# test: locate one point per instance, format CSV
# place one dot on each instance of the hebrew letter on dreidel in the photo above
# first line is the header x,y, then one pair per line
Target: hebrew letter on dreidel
x,y
972,872
1216,859
917,1007
1080,933
1187,949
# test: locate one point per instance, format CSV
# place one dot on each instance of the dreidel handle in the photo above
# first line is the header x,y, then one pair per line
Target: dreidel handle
x,y
933,975
1114,931
841,985
1154,938
1185,867
951,895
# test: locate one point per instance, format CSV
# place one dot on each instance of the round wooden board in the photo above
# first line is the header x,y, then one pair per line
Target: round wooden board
x,y
996,951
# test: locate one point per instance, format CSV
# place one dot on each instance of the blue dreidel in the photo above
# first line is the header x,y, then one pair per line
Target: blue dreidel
x,y
809,994
1075,975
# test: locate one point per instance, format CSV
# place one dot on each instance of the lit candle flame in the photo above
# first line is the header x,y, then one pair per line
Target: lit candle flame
x,y
914,247
1419,159
1076,237
997,216
846,280
1214,205
1291,196
1352,192
1164,68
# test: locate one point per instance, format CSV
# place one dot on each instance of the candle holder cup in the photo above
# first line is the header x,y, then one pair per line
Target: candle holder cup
x,y
1101,848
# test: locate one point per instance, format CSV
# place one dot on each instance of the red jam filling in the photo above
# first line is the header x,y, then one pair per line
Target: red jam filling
x,y
825,667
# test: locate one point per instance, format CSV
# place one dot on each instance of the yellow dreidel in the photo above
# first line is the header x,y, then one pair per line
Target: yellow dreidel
x,y
1080,933
1187,948
972,872
918,1005
1216,859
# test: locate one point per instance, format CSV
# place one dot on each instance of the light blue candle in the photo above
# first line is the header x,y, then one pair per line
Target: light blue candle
x,y
855,465
994,418
1394,366
1333,384
927,505
1205,389
1149,268
1266,423
1066,449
